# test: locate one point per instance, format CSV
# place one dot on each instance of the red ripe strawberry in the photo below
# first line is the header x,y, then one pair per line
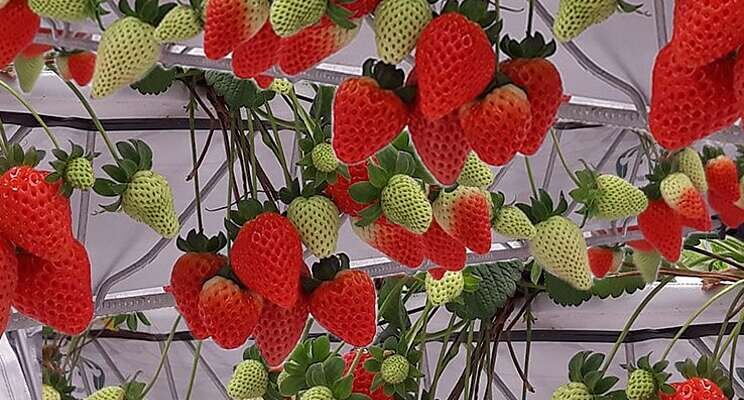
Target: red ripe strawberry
x,y
604,260
393,240
77,67
723,178
67,302
694,389
454,63
662,228
339,191
346,307
366,118
228,23
359,8
682,196
739,81
362,383
440,144
496,126
442,249
257,54
267,257
530,69
33,213
229,312
191,270
731,215
279,330
303,50
8,280
264,81
705,31
465,214
641,245
689,103
35,50
20,25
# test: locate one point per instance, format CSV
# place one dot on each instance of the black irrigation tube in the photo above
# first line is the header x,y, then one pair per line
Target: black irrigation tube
x,y
538,335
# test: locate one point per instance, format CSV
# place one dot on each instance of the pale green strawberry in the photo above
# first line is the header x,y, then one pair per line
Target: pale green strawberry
x,y
444,290
324,159
48,392
317,393
79,173
475,173
317,220
398,25
575,16
148,199
63,10
291,16
127,52
249,380
28,70
572,391
641,385
181,23
560,248
647,262
394,369
404,202
513,223
282,86
108,393
690,164
617,198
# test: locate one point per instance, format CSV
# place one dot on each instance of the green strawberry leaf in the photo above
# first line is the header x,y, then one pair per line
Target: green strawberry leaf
x,y
364,192
342,389
315,376
156,82
333,368
292,385
605,384
564,294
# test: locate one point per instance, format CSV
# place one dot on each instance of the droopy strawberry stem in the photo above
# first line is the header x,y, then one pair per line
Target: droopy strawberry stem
x,y
33,112
163,355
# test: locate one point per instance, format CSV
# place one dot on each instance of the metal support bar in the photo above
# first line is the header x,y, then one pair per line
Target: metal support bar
x,y
31,369
590,66
169,373
160,245
551,161
82,228
107,359
630,357
503,388
210,372
662,36
704,350
19,134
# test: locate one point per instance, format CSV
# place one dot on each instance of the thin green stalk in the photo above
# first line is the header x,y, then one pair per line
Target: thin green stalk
x,y
531,176
252,155
631,320
3,139
192,137
468,358
243,152
278,140
288,125
727,318
530,16
357,357
163,355
308,327
557,146
732,358
430,337
734,334
94,118
527,350
194,366
418,326
442,353
33,112
490,365
696,314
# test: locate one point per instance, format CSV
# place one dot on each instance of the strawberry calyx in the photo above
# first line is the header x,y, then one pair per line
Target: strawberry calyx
x,y
394,367
61,164
500,80
710,153
657,370
340,15
707,368
659,173
587,192
498,201
198,242
311,364
136,157
389,77
247,209
541,208
532,46
478,12
147,11
318,139
293,191
325,270
57,380
628,7
17,157
584,367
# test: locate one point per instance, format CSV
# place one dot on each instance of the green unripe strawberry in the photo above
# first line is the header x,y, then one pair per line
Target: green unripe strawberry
x,y
446,288
641,385
324,159
398,25
394,369
575,16
572,391
28,70
560,248
647,262
291,16
48,392
691,164
127,52
108,393
248,381
317,221
475,173
617,198
281,86
148,199
513,223
181,23
79,173
63,10
317,393
404,202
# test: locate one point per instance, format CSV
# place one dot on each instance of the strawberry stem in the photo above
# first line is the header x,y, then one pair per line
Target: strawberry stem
x,y
468,358
3,139
252,153
530,17
192,136
163,355
442,353
528,347
274,129
557,146
729,314
33,112
530,176
696,314
194,365
732,336
357,357
631,320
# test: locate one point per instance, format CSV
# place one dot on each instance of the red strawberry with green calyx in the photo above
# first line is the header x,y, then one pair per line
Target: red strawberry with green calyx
x,y
256,55
369,112
661,227
704,380
20,25
303,50
8,280
604,260
267,252
229,312
279,329
721,174
343,300
454,58
200,262
392,240
34,214
530,69
228,23
731,215
77,66
680,194
442,249
465,214
339,191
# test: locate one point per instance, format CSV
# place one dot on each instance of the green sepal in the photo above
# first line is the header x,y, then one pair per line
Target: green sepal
x,y
532,46
198,242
